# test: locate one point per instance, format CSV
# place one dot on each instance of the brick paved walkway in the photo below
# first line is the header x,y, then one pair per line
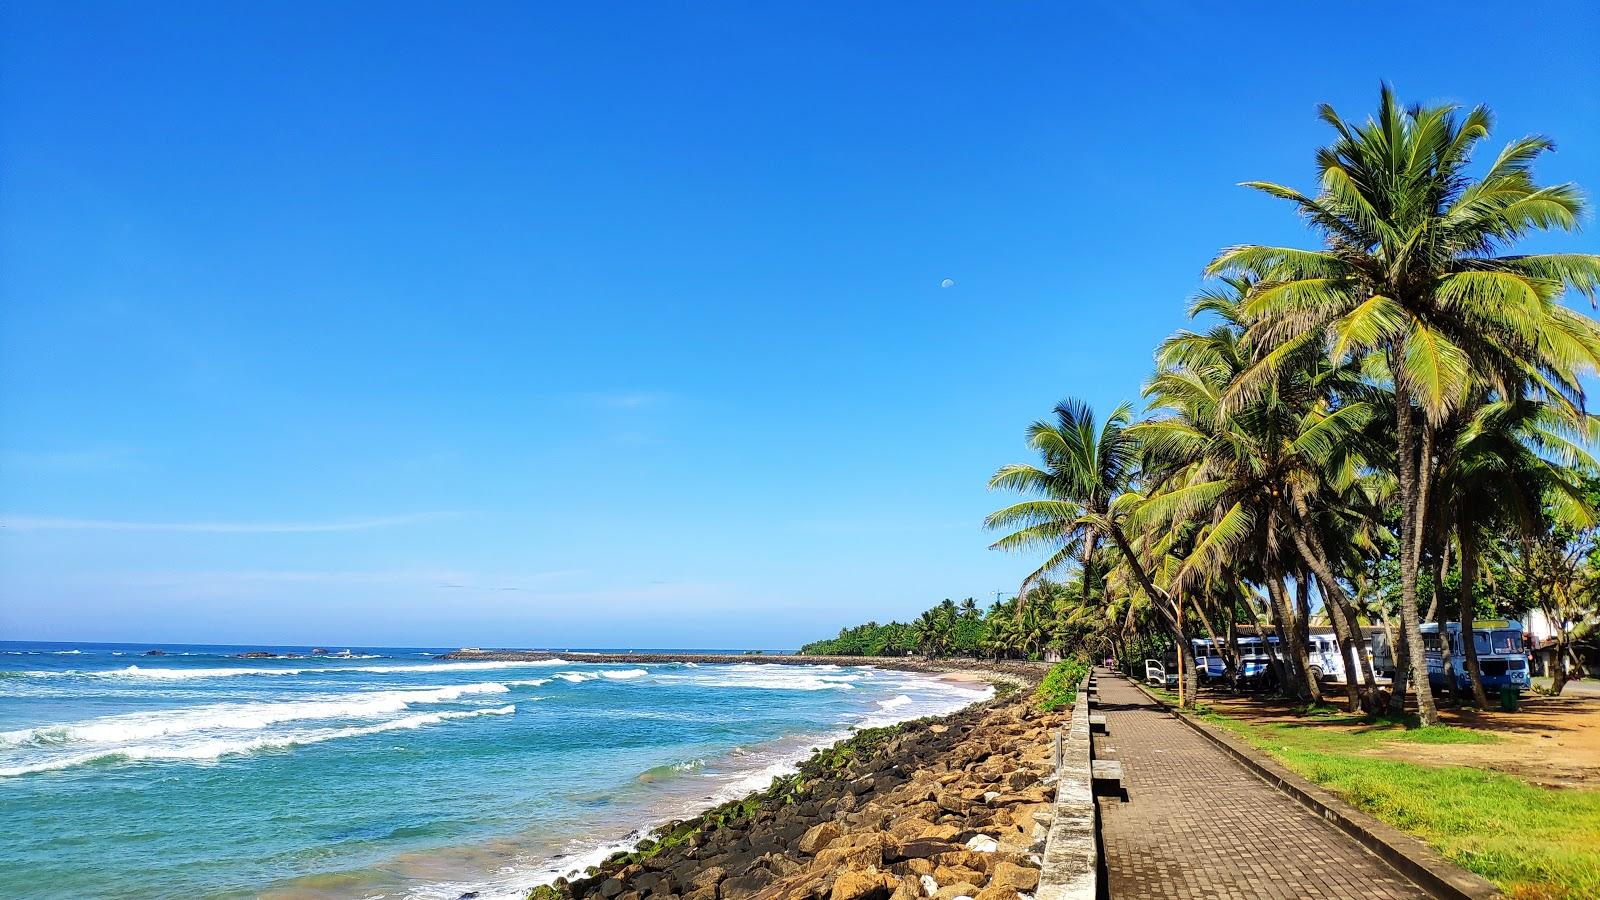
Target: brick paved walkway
x,y
1197,824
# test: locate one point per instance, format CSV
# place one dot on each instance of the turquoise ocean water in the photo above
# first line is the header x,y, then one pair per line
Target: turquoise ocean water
x,y
373,773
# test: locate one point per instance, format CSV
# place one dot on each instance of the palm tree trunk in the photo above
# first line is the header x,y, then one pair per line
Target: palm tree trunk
x,y
1169,611
1302,625
1235,657
1303,675
1412,516
1402,677
1211,633
1348,649
1091,542
1294,651
1275,662
1368,676
1447,660
1558,672
1467,537
1339,613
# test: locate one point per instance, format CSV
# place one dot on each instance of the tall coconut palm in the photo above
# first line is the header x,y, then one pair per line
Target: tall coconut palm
x,y
1084,467
1412,269
1083,493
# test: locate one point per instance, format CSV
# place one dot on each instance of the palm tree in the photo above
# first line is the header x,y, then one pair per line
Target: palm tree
x,y
933,632
1249,478
1411,270
1501,463
1084,468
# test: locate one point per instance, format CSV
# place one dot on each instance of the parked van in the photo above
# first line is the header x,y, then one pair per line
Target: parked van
x,y
1501,657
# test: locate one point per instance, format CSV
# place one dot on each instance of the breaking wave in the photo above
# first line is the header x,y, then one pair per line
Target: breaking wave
x,y
239,716
171,674
214,749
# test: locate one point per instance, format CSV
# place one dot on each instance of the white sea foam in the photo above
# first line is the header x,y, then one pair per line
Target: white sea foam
x,y
531,682
893,702
213,749
240,716
577,677
175,674
623,674
769,677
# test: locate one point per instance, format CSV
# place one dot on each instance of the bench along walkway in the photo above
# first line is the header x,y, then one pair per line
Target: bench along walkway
x,y
1197,824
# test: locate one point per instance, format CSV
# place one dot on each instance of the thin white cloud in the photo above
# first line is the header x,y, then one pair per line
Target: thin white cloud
x,y
52,523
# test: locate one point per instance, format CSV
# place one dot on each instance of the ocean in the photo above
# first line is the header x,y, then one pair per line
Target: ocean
x,y
383,772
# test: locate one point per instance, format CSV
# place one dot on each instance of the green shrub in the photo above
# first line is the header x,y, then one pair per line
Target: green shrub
x,y
1060,685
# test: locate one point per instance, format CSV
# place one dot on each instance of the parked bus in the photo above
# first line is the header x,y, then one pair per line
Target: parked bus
x,y
1501,658
1255,664
1326,658
1209,662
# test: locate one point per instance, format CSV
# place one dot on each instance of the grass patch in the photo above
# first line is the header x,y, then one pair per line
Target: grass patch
x,y
1532,841
1343,733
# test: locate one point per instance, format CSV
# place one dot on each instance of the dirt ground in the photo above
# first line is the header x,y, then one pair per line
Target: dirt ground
x,y
1550,741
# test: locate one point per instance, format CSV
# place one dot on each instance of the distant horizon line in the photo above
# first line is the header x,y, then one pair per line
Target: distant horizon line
x,y
440,647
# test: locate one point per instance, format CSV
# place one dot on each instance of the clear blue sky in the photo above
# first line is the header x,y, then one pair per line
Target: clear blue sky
x,y
512,324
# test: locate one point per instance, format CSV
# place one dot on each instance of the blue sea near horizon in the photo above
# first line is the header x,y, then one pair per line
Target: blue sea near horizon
x,y
384,772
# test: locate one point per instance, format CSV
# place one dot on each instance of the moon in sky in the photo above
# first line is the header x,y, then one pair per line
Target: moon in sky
x,y
948,282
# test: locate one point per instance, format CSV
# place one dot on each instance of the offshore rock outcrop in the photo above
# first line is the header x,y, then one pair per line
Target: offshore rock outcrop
x,y
1009,671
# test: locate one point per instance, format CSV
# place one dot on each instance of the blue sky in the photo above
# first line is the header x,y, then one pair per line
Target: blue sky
x,y
623,325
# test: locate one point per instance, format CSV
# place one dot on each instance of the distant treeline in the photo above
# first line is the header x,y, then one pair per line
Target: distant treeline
x,y
962,629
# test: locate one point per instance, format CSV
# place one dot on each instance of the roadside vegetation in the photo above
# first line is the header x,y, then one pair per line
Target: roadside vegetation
x,y
1059,687
1384,428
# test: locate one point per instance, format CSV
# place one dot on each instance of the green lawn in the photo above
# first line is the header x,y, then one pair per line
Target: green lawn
x,y
1534,842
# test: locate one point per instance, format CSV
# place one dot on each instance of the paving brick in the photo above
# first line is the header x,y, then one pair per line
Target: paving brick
x,y
1197,824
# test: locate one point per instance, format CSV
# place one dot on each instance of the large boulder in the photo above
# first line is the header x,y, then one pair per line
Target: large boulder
x,y
918,848
746,884
1018,878
864,885
818,837
952,891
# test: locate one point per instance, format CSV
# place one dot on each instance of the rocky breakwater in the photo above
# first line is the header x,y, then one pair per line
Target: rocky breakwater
x,y
943,808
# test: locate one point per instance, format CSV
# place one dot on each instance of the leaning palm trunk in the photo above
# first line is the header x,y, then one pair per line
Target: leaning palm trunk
x,y
1411,521
1288,634
1369,678
1170,611
1344,631
1339,611
1275,662
1468,608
